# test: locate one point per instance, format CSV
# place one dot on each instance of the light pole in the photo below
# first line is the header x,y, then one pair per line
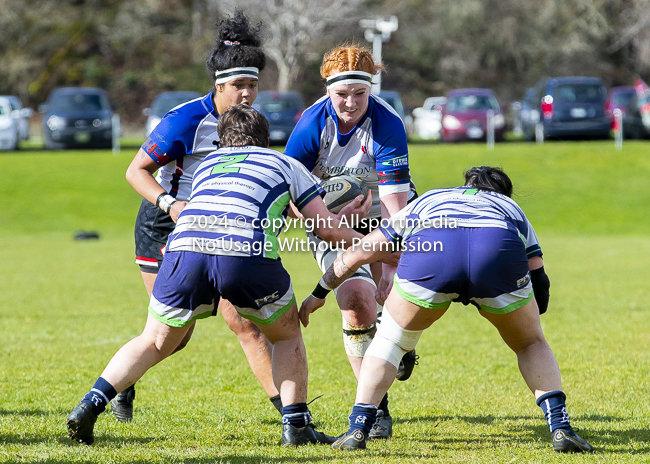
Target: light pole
x,y
377,31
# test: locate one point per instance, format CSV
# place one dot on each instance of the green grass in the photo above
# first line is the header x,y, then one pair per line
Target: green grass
x,y
67,306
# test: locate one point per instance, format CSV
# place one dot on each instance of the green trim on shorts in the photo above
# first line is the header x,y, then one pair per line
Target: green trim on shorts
x,y
510,308
171,322
417,301
276,315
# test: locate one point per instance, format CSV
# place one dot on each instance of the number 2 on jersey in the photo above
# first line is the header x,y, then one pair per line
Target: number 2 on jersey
x,y
222,167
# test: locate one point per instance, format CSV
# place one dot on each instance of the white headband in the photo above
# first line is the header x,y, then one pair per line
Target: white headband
x,y
231,74
349,77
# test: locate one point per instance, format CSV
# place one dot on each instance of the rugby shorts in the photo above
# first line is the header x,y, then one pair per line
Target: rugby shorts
x,y
189,285
152,228
325,256
486,267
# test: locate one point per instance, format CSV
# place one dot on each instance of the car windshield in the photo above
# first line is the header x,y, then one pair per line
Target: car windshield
x,y
579,93
162,105
2,110
276,103
430,104
13,104
79,102
472,102
623,99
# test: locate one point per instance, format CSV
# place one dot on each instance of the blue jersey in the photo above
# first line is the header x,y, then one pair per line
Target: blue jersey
x,y
240,197
375,151
461,207
181,141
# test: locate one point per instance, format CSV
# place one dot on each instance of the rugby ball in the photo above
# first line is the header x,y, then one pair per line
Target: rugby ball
x,y
341,190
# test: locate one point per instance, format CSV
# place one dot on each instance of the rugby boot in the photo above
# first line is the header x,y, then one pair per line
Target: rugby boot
x,y
406,365
81,423
383,426
122,404
566,441
351,440
296,436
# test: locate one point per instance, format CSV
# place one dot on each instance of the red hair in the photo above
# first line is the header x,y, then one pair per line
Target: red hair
x,y
350,57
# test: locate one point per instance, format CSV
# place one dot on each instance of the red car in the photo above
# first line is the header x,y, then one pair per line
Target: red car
x,y
619,98
464,117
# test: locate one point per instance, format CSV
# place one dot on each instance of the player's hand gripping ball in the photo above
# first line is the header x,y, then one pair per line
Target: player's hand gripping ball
x,y
341,190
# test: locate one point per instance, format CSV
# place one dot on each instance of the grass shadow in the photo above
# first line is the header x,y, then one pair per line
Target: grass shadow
x,y
631,440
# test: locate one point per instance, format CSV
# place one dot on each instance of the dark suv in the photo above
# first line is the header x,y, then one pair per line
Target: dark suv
x,y
282,109
77,117
571,107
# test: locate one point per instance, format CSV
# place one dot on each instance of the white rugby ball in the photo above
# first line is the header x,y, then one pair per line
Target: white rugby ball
x,y
341,190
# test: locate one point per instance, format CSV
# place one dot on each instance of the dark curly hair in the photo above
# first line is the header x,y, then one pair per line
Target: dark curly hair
x,y
489,178
246,54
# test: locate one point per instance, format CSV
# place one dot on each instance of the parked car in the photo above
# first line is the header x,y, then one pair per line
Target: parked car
x,y
464,117
619,98
162,104
529,114
20,114
79,117
427,119
636,118
394,99
282,109
571,107
8,127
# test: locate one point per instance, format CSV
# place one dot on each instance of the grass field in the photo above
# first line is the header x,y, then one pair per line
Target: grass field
x,y
67,306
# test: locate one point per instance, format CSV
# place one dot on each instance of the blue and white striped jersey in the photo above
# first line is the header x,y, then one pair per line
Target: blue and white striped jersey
x,y
375,151
181,141
461,207
240,197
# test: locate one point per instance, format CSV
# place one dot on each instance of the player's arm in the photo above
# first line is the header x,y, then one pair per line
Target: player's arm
x,y
327,226
390,205
371,248
139,175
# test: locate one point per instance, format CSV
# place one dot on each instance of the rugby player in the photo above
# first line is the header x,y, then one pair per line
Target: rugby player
x,y
225,245
175,148
489,257
351,132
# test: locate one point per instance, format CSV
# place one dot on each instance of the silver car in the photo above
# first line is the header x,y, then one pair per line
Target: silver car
x,y
427,119
20,115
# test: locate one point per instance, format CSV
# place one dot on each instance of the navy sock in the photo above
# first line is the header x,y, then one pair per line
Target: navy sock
x,y
100,395
383,405
296,414
277,402
554,408
363,417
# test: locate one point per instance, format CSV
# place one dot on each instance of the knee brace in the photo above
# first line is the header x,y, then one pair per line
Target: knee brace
x,y
357,339
392,342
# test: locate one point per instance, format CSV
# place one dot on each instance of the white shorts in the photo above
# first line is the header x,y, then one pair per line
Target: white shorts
x,y
325,257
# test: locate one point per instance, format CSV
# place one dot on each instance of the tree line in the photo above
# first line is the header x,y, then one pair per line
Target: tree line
x,y
137,48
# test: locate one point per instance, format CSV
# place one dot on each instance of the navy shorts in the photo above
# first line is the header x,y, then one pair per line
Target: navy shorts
x,y
152,228
189,286
487,267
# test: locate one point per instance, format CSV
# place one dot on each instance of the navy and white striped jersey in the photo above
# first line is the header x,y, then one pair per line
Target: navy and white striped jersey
x,y
461,207
181,141
240,197
375,151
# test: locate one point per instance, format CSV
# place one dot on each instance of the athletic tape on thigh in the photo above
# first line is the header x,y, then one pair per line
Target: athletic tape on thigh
x,y
357,339
392,342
